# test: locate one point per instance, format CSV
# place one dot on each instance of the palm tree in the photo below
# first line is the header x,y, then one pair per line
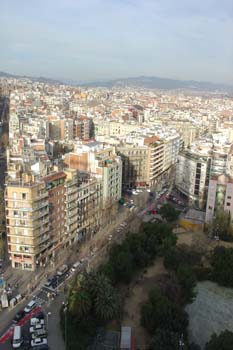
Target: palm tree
x,y
80,303
107,305
96,283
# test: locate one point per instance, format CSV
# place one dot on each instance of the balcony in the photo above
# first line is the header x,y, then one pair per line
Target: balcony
x,y
41,196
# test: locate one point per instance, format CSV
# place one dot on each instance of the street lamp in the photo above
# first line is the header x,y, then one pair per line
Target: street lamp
x,y
48,315
65,309
181,341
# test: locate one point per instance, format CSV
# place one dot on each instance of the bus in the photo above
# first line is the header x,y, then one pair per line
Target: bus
x,y
17,337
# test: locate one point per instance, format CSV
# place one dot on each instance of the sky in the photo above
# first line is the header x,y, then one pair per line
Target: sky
x,y
96,40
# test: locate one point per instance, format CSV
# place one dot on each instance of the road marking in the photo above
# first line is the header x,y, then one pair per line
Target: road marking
x,y
8,334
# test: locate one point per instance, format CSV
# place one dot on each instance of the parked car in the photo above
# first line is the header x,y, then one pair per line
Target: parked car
x,y
40,315
36,327
19,316
75,266
62,270
35,321
41,333
30,306
39,341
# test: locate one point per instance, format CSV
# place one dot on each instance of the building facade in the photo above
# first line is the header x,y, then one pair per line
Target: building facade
x,y
27,223
220,196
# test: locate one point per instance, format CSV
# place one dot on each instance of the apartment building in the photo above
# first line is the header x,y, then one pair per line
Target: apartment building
x,y
196,165
192,176
156,159
27,223
220,196
66,129
102,162
113,128
83,205
83,128
135,159
55,186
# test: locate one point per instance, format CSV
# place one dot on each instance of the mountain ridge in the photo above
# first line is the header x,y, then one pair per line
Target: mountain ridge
x,y
149,82
163,84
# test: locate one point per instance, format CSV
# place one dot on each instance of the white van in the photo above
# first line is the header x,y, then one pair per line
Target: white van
x,y
17,337
75,266
30,306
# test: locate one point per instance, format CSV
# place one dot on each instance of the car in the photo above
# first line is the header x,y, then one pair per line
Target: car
x,y
41,333
48,283
148,190
41,347
30,306
19,316
36,327
40,315
35,321
75,266
39,341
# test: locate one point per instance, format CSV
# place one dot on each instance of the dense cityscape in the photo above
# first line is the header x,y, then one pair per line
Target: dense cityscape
x,y
98,185
116,175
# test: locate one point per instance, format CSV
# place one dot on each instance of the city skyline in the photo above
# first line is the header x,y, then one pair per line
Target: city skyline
x,y
103,40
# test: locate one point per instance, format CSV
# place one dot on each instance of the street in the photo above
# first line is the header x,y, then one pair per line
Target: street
x,y
91,253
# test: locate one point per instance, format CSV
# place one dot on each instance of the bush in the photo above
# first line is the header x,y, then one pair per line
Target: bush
x,y
223,341
165,340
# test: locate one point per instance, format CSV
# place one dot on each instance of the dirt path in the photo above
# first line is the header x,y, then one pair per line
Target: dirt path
x,y
138,294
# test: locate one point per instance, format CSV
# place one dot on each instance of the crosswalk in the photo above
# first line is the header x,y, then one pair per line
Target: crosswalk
x,y
41,297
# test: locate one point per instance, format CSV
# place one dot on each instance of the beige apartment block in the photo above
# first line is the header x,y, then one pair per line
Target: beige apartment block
x,y
156,159
135,160
27,221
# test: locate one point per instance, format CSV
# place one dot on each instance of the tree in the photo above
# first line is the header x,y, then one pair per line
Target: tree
x,y
194,346
172,258
80,303
122,261
165,340
222,263
168,212
107,305
170,287
187,281
223,341
136,244
159,312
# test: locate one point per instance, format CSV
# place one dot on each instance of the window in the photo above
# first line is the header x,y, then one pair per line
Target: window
x,y
228,204
228,197
24,195
210,207
15,195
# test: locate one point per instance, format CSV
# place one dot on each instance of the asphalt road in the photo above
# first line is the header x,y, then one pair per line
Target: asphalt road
x,y
51,305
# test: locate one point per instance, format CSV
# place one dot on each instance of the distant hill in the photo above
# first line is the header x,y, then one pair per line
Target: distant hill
x,y
39,79
138,82
164,84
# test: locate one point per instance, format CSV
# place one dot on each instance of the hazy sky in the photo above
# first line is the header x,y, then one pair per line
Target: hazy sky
x,y
88,40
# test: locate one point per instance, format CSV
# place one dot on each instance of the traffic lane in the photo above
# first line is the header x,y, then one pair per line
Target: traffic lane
x,y
6,338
